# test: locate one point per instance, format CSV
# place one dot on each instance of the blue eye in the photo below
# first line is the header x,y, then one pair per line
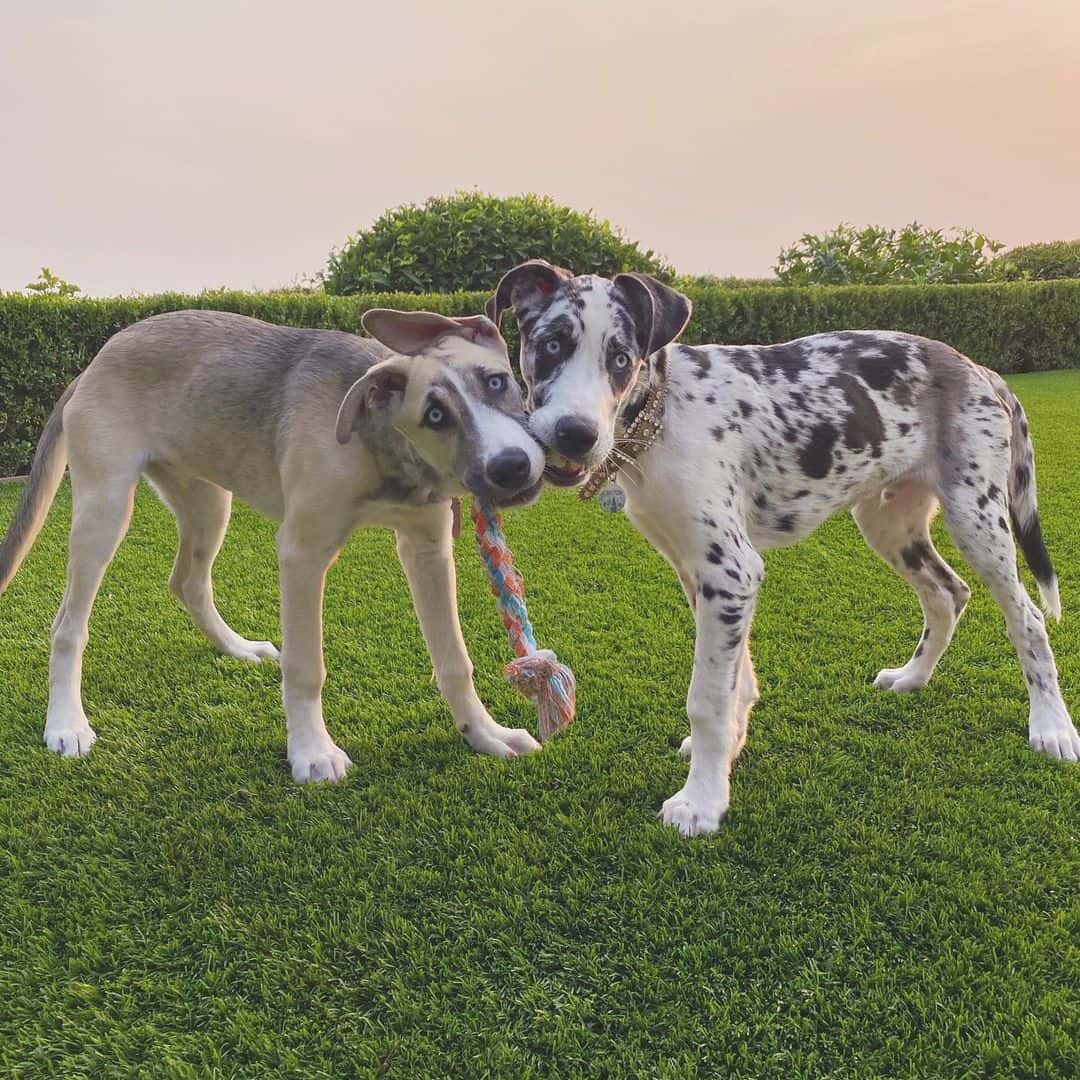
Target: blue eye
x,y
436,417
496,383
552,346
622,362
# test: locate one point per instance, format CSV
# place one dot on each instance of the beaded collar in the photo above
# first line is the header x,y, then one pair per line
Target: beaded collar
x,y
640,434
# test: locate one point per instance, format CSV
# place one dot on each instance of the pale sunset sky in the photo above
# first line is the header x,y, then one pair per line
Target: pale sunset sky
x,y
149,145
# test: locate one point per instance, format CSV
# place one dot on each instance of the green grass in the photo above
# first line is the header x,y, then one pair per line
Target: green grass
x,y
895,892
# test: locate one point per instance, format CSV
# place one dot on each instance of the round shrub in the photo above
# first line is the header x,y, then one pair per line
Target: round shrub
x,y
468,240
1039,262
913,255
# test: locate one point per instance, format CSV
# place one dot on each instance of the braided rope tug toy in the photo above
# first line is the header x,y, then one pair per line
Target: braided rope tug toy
x,y
536,673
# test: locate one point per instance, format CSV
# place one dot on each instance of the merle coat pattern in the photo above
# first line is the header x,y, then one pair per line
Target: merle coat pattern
x,y
760,445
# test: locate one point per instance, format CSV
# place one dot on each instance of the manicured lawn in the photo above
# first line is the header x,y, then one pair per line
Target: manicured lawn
x,y
896,891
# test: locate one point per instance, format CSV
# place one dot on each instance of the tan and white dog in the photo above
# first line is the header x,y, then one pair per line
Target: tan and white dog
x,y
320,430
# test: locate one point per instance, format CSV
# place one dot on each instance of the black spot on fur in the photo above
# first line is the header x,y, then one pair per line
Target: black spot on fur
x,y
743,362
903,428
707,590
717,433
730,616
701,359
863,426
785,522
745,408
715,553
816,457
915,554
787,360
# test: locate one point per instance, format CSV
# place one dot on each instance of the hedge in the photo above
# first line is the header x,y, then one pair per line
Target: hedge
x,y
1014,326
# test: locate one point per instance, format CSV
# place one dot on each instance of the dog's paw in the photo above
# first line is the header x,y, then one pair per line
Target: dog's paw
x,y
1055,735
71,741
254,652
900,681
685,749
692,817
497,741
324,762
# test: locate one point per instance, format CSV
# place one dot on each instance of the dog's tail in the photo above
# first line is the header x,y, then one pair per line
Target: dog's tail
x,y
45,475
1023,508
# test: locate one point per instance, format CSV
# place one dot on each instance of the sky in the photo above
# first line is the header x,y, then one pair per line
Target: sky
x,y
148,145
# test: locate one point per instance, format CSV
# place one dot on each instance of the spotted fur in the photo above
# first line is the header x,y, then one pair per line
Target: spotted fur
x,y
760,445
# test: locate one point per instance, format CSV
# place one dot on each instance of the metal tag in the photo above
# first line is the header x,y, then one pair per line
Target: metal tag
x,y
612,498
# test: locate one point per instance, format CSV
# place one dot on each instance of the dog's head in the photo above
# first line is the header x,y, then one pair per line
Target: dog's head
x,y
583,343
450,391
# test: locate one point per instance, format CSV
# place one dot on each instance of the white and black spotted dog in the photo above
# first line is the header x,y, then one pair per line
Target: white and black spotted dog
x,y
758,446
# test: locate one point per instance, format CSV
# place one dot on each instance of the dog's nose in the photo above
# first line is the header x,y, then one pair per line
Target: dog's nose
x,y
509,468
574,436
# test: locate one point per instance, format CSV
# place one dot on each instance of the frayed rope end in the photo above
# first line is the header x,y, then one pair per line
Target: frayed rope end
x,y
549,685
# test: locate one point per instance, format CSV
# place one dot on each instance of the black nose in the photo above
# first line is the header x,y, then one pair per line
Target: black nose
x,y
574,436
509,468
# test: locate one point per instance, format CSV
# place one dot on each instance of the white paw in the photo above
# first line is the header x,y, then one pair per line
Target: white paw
x,y
899,681
1055,735
255,652
518,739
324,762
497,741
684,748
692,817
70,741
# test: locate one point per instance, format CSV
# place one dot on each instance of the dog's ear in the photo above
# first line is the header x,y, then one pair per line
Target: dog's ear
x,y
535,278
380,387
411,332
660,312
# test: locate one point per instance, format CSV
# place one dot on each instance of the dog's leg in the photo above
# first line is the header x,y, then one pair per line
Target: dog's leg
x,y
992,554
747,696
728,584
304,556
896,525
100,514
425,549
202,516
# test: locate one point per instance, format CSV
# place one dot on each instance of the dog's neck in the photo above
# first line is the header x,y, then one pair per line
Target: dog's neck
x,y
650,377
638,423
404,477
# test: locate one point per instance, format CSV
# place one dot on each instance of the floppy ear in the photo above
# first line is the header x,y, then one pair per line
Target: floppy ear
x,y
376,389
533,278
411,332
660,313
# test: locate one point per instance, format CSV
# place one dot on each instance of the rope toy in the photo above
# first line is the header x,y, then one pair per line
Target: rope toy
x,y
536,672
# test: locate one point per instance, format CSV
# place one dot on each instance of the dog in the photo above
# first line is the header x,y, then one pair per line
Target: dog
x,y
756,447
320,430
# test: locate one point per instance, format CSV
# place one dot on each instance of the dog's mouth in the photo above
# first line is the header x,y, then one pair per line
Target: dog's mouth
x,y
562,472
522,498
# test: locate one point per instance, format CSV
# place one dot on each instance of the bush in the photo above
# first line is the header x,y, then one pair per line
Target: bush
x,y
1014,326
913,255
467,240
1039,262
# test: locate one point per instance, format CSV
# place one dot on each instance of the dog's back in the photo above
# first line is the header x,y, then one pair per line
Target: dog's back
x,y
211,392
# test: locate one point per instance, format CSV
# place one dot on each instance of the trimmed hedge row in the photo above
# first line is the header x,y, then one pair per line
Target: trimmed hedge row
x,y
1014,326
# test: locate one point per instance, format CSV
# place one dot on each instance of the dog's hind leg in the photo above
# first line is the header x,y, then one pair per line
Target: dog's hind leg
x,y
896,525
202,515
425,548
102,495
977,516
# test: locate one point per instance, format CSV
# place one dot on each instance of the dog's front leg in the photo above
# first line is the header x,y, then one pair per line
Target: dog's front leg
x,y
425,548
728,581
303,562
